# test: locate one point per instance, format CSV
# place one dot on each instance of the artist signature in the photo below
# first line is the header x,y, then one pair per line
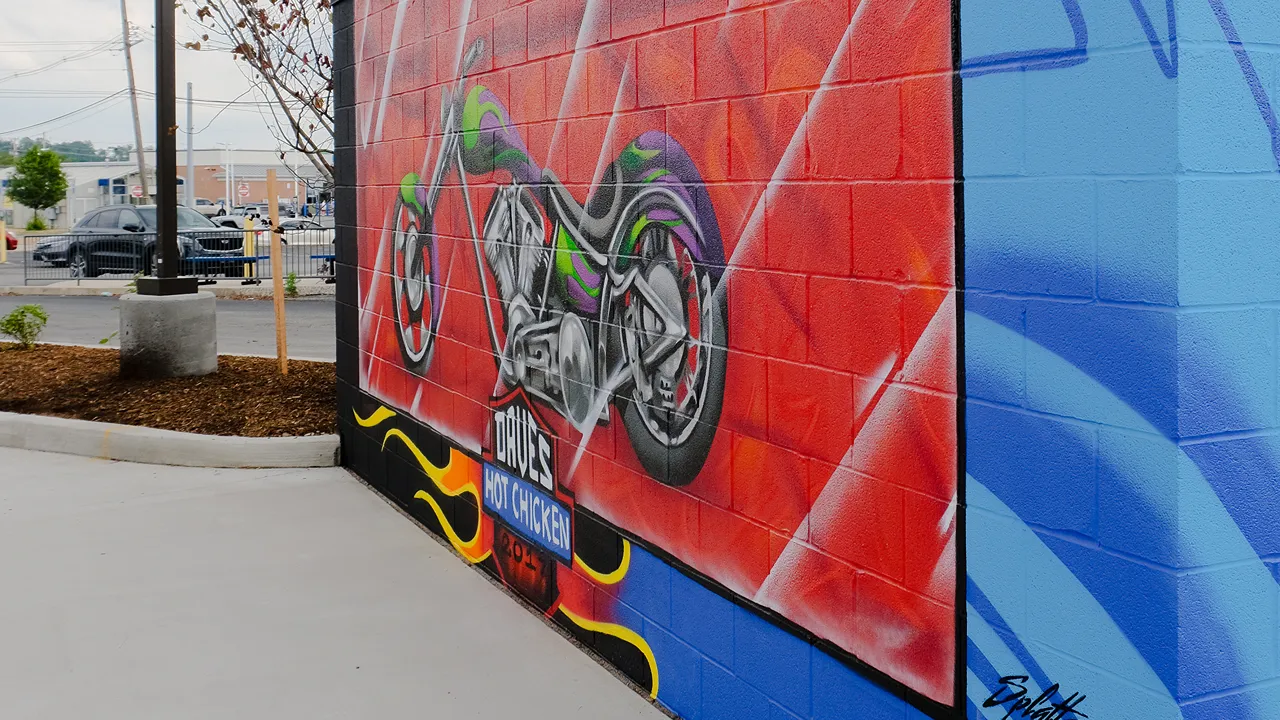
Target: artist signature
x,y
1014,694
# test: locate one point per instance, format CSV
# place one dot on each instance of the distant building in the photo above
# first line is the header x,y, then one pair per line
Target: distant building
x,y
94,184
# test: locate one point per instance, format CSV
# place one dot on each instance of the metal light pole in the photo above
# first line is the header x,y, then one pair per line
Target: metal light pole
x,y
189,182
167,281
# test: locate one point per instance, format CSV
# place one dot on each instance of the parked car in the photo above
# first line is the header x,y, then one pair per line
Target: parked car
x,y
11,240
237,216
305,232
209,208
259,213
122,238
51,249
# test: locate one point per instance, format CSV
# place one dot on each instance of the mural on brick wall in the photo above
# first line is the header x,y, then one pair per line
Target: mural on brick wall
x,y
1121,193
656,323
613,304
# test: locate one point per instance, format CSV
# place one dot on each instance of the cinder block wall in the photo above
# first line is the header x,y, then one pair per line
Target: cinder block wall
x,y
1121,259
1088,523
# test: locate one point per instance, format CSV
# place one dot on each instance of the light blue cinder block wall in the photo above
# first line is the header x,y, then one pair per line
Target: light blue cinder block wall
x,y
1122,294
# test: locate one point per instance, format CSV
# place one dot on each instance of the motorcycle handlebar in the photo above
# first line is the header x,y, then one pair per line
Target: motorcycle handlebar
x,y
472,56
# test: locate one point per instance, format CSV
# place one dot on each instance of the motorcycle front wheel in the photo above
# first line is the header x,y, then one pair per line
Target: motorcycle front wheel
x,y
415,290
672,334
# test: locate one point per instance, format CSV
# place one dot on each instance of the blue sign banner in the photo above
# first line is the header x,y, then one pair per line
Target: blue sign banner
x,y
537,516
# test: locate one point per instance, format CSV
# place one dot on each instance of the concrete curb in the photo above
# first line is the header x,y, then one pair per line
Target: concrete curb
x,y
238,292
109,441
268,356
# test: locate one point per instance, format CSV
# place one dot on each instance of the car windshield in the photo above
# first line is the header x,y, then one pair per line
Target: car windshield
x,y
187,218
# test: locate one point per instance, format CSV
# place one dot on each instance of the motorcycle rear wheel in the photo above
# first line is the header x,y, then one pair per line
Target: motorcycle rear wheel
x,y
671,430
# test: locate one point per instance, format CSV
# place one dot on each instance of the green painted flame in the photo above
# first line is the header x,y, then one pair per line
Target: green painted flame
x,y
409,191
566,248
472,113
634,157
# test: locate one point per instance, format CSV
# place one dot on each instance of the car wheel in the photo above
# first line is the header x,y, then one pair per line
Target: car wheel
x,y
78,262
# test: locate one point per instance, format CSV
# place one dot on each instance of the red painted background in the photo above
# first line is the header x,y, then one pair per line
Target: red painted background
x,y
823,129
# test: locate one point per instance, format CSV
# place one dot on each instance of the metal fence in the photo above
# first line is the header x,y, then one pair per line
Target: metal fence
x,y
225,256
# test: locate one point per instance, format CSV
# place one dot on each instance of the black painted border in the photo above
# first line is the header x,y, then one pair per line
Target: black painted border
x,y
962,557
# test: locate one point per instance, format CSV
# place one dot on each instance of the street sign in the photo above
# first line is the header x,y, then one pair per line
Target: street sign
x,y
136,191
243,191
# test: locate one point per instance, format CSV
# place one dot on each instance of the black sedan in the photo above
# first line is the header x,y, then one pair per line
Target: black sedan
x,y
122,239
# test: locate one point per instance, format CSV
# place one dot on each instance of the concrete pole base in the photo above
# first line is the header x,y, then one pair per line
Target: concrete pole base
x,y
168,335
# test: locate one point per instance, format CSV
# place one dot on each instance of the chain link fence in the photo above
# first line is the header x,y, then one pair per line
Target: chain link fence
x,y
223,256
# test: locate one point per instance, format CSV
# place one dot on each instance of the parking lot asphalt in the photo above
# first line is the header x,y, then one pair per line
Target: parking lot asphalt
x,y
11,272
245,327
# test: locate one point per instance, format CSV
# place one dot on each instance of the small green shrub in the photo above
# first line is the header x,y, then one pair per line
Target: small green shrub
x,y
291,285
25,324
36,223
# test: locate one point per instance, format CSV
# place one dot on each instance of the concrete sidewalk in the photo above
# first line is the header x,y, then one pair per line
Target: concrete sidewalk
x,y
137,591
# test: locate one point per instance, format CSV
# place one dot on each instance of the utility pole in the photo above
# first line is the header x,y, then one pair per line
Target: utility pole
x,y
189,183
133,97
167,280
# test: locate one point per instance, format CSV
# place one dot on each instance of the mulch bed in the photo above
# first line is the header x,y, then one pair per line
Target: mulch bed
x,y
247,396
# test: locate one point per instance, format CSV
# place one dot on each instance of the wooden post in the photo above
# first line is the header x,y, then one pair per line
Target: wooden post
x,y
250,268
277,272
4,241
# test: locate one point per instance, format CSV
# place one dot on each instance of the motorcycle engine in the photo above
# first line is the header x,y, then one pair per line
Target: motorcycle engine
x,y
515,244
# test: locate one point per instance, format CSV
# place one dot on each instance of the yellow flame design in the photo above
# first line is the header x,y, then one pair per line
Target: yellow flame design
x,y
614,577
624,634
468,549
375,418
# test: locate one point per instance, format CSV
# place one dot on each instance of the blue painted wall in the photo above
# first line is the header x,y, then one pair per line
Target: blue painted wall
x,y
1122,259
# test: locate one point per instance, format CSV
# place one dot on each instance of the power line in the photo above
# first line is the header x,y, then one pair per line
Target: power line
x,y
217,114
97,50
60,43
90,106
82,118
74,70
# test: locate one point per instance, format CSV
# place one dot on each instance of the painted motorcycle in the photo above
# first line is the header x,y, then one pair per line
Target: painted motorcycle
x,y
615,302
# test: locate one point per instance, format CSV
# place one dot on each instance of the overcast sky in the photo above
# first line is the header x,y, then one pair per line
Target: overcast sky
x,y
65,28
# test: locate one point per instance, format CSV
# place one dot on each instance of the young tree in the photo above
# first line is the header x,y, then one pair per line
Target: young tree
x,y
78,151
288,46
38,181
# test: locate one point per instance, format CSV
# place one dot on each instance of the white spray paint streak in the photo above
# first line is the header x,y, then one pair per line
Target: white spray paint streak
x,y
780,569
626,83
590,16
363,127
379,267
794,154
391,66
867,392
462,38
